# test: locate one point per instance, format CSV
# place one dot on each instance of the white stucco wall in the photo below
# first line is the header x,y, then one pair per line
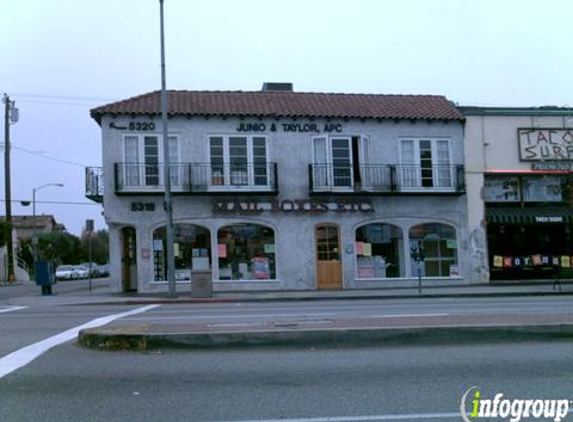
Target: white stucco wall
x,y
294,233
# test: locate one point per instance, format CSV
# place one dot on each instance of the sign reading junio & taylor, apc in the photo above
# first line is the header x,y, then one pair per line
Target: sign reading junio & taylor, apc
x,y
545,144
290,127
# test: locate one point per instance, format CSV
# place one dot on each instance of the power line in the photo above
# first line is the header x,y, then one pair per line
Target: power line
x,y
56,103
47,157
62,97
19,201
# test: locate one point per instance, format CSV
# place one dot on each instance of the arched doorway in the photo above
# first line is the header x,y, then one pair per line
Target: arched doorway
x,y
328,262
129,260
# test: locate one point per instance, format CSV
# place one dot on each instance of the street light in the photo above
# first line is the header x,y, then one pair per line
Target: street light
x,y
34,227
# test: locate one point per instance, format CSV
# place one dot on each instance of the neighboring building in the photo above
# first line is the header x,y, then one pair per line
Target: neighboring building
x,y
23,226
279,190
519,189
23,230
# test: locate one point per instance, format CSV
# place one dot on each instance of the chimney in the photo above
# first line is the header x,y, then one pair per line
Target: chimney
x,y
277,86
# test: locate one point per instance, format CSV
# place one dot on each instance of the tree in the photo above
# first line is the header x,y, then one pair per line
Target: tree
x,y
62,248
99,247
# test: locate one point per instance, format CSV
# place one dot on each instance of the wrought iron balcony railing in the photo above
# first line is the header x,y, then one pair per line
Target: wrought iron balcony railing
x,y
94,184
384,178
197,178
240,177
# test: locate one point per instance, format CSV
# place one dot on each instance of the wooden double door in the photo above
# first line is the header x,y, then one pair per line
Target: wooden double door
x,y
328,257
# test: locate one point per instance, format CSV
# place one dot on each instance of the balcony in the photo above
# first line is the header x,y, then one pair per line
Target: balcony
x,y
94,184
197,178
386,179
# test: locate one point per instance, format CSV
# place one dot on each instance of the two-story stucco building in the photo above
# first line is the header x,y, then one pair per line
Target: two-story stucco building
x,y
281,190
519,164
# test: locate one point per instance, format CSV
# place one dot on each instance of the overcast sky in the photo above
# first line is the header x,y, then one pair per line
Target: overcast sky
x,y
60,58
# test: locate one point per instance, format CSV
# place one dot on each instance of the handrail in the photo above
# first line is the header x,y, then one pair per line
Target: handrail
x,y
386,177
196,177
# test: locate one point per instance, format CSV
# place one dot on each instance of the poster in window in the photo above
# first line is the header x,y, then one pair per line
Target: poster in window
x,y
222,250
261,268
542,189
501,189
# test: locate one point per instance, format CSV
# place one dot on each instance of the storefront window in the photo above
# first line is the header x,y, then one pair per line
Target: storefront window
x,y
438,245
379,251
542,189
530,250
191,250
246,252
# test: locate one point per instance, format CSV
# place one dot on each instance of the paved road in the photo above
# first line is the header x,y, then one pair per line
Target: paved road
x,y
69,384
62,382
359,308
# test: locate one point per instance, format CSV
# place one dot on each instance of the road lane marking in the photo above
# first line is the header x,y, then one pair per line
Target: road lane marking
x,y
12,308
405,315
278,316
373,418
24,356
210,317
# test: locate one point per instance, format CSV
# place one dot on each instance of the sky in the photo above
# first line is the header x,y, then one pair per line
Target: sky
x,y
60,58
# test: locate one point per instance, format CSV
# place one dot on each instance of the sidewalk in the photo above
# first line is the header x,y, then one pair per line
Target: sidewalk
x,y
29,294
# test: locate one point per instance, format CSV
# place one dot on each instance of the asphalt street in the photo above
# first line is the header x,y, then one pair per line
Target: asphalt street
x,y
358,308
45,376
389,383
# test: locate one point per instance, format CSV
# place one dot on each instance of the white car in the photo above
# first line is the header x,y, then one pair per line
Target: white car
x,y
92,268
81,271
65,272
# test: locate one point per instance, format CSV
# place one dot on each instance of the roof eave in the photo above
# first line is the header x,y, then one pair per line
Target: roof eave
x,y
98,116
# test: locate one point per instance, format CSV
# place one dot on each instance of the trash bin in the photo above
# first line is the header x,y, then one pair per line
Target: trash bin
x,y
201,283
45,276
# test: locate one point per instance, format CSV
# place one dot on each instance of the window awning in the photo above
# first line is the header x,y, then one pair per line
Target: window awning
x,y
529,215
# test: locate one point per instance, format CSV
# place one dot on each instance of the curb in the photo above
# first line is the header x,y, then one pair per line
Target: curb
x,y
354,337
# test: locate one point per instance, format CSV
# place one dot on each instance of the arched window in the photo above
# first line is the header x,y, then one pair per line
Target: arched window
x,y
191,250
379,251
438,245
246,252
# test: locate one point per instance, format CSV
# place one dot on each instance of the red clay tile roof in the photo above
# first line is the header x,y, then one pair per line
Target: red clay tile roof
x,y
287,104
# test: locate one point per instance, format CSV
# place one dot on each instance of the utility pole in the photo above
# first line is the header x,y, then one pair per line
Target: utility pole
x,y
170,259
10,114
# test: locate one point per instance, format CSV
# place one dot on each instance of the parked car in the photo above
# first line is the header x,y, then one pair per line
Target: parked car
x,y
92,268
81,271
65,272
103,270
